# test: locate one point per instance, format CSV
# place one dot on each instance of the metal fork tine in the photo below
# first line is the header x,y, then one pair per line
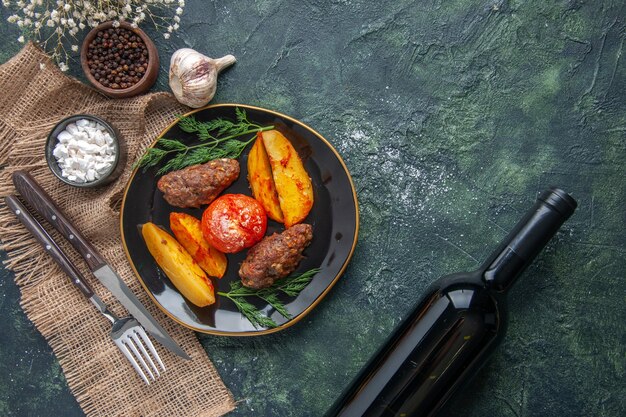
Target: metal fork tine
x,y
132,340
138,342
148,343
131,344
120,344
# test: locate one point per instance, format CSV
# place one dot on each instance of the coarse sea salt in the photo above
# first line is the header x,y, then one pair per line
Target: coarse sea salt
x,y
84,151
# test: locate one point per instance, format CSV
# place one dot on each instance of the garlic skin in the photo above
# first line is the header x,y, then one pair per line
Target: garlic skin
x,y
193,76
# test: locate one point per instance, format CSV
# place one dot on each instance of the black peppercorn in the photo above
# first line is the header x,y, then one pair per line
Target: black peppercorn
x,y
117,58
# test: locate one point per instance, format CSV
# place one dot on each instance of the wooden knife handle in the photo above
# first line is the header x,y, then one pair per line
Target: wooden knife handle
x,y
40,201
48,244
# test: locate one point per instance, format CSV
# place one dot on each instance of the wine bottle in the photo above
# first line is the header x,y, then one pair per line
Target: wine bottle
x,y
452,331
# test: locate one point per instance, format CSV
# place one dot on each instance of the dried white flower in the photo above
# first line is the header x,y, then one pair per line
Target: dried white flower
x,y
42,66
59,21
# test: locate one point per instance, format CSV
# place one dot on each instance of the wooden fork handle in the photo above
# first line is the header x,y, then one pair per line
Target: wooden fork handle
x,y
40,201
48,244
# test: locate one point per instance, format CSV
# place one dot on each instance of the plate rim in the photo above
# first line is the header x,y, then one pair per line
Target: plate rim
x,y
306,311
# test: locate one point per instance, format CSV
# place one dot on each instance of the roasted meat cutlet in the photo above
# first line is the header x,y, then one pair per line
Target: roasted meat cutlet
x,y
198,184
275,256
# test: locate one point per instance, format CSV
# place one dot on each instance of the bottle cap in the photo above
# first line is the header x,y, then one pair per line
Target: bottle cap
x,y
559,200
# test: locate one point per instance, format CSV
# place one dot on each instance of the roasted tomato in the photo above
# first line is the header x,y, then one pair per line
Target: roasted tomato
x,y
234,222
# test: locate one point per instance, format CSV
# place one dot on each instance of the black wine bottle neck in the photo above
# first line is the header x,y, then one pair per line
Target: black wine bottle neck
x,y
527,239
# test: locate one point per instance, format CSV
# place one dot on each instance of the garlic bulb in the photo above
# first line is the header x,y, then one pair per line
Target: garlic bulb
x,y
193,76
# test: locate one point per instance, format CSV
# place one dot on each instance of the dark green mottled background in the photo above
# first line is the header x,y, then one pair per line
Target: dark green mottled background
x,y
451,116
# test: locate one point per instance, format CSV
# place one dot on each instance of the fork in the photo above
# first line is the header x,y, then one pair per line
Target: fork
x,y
126,332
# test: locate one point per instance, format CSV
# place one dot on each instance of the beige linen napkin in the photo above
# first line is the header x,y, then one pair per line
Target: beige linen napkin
x,y
36,95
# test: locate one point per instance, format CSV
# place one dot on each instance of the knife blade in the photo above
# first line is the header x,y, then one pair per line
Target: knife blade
x,y
39,200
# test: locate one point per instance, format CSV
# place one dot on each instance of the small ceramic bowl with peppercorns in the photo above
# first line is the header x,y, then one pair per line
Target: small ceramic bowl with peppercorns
x,y
119,60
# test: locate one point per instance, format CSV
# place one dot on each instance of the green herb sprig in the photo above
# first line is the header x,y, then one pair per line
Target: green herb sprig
x,y
290,286
218,140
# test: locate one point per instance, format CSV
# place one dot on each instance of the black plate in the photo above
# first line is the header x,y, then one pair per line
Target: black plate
x,y
334,218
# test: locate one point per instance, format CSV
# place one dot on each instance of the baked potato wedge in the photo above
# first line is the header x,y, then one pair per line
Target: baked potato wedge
x,y
293,185
188,232
178,265
262,182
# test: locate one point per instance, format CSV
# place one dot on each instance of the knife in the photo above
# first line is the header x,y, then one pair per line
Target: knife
x,y
40,201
